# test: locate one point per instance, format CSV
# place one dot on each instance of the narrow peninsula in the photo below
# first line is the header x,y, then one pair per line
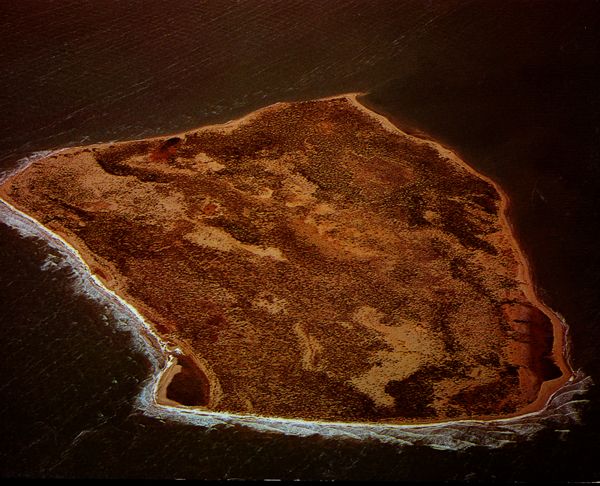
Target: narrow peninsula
x,y
310,261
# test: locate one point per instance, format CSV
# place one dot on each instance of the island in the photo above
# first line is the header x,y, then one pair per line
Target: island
x,y
310,261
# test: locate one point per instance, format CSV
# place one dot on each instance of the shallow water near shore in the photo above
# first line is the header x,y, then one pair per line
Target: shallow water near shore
x,y
72,374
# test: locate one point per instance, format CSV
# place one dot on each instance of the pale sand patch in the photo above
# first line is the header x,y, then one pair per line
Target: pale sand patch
x,y
272,304
322,209
283,166
311,348
265,193
126,196
413,347
219,239
299,191
204,163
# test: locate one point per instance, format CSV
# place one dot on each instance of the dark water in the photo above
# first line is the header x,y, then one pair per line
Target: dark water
x,y
511,85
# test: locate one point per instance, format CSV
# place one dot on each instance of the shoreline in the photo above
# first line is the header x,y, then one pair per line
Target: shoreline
x,y
172,348
525,274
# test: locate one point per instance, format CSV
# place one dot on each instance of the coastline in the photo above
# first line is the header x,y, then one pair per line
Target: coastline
x,y
172,349
525,275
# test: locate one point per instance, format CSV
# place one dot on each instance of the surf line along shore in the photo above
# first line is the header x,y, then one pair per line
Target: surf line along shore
x,y
310,347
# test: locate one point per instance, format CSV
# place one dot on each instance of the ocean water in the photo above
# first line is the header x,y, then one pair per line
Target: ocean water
x,y
511,86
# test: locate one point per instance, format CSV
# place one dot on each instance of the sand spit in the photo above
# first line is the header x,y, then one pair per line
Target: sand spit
x,y
555,403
